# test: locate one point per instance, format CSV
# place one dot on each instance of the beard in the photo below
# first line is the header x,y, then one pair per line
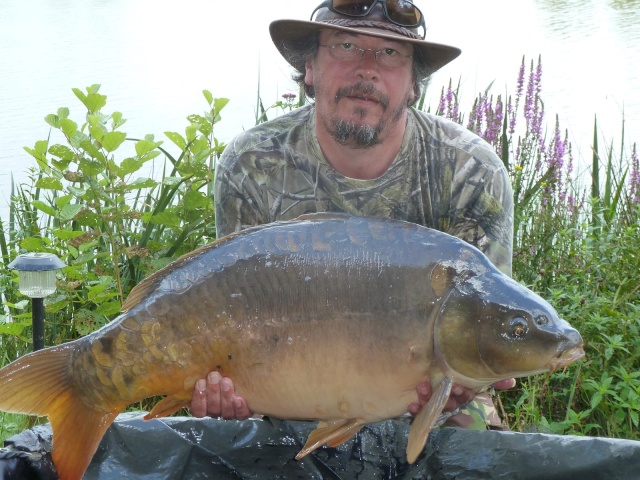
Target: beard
x,y
356,133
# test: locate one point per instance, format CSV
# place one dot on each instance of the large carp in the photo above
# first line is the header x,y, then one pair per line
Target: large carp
x,y
329,317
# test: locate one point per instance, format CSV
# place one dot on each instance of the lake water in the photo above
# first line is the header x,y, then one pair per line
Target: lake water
x,y
154,57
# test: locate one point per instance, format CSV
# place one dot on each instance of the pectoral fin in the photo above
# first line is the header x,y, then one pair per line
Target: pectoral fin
x,y
333,434
426,419
169,405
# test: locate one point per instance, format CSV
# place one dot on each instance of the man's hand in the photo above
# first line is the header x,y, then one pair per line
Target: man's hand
x,y
460,396
215,396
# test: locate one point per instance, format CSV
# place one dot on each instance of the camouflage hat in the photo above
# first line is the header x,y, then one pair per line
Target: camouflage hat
x,y
289,35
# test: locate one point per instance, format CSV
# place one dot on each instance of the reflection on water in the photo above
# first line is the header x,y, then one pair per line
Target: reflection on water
x,y
153,58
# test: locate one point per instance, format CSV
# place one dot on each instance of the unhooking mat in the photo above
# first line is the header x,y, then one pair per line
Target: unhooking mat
x,y
188,448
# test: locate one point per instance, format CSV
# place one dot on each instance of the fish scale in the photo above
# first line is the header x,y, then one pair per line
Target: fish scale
x,y
330,317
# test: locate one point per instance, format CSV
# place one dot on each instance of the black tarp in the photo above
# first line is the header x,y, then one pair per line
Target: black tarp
x,y
188,448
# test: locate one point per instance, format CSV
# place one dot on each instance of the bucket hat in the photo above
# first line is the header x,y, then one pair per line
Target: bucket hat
x,y
289,35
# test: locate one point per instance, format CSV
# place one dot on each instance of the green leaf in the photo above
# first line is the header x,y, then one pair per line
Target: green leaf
x,y
191,131
69,212
67,234
63,112
12,328
118,121
91,168
112,140
33,244
97,132
219,104
109,308
49,183
166,218
69,127
208,96
129,165
144,146
62,152
53,120
21,305
94,102
141,183
43,207
63,200
177,139
194,200
92,150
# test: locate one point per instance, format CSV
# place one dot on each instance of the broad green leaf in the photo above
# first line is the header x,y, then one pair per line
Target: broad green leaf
x,y
67,234
78,192
177,139
92,150
94,88
33,244
166,218
220,103
139,183
208,96
21,305
63,112
191,131
63,200
118,121
112,140
129,165
91,168
53,120
69,127
12,328
43,207
80,94
69,211
171,181
144,146
194,200
49,183
97,132
109,308
62,152
95,101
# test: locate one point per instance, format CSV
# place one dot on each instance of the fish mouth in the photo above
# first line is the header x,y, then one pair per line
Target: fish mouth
x,y
566,358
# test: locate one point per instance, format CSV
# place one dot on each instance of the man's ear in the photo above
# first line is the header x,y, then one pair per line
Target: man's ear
x,y
308,74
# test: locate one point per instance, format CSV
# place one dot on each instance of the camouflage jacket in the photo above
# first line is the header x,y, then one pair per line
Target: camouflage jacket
x,y
444,177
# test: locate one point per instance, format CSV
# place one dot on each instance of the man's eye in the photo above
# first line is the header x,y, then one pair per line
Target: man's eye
x,y
346,46
390,52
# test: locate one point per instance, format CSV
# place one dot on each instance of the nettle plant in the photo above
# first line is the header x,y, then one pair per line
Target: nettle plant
x,y
106,205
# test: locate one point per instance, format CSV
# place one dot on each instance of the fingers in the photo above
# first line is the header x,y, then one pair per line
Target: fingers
x,y
460,396
198,406
216,397
505,384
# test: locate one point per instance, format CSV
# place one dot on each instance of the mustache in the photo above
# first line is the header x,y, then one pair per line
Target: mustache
x,y
364,90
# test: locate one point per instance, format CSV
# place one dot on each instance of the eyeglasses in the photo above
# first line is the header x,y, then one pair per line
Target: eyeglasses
x,y
400,12
386,57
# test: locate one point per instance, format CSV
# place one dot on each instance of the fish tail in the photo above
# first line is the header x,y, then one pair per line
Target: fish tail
x,y
41,383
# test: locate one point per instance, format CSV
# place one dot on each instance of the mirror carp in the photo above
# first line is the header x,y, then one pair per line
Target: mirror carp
x,y
330,317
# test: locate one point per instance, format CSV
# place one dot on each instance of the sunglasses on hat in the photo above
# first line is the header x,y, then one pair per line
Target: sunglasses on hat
x,y
399,12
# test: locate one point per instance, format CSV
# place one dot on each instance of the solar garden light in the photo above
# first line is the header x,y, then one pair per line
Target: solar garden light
x,y
36,280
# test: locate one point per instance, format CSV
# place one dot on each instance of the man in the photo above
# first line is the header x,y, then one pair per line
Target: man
x,y
362,149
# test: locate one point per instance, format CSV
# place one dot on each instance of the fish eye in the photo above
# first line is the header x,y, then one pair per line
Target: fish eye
x,y
519,327
542,320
